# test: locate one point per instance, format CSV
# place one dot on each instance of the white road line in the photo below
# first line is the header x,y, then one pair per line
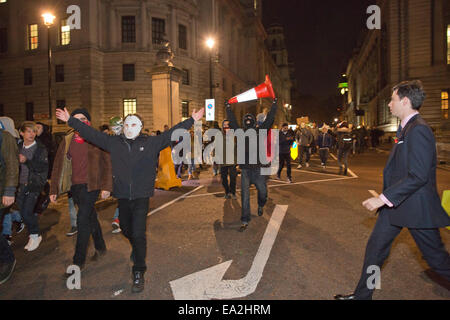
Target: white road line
x,y
373,192
313,172
275,185
332,155
174,200
278,181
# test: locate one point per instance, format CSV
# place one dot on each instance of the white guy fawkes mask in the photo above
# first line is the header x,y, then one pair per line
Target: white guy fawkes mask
x,y
132,127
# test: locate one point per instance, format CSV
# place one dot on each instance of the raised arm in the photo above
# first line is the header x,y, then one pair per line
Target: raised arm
x,y
94,136
231,118
267,124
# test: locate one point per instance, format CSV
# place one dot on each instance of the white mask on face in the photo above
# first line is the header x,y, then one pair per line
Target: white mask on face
x,y
132,127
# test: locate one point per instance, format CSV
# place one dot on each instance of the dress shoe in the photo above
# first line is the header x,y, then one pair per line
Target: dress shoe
x,y
138,282
345,297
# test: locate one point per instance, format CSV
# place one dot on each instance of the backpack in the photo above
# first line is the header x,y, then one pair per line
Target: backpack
x,y
346,140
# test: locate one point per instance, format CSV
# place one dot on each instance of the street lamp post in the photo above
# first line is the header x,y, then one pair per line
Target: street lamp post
x,y
210,44
48,21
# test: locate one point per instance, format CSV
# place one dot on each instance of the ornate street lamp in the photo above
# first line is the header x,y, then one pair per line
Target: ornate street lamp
x,y
48,21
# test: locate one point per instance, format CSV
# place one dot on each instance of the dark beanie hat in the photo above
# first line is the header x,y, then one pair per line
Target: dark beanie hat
x,y
83,111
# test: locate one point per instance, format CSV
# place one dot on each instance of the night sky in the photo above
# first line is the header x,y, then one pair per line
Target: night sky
x,y
320,36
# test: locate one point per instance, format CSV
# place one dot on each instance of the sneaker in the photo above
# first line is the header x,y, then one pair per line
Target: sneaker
x,y
307,165
116,224
72,231
8,238
34,243
289,180
233,196
115,231
322,164
243,226
227,196
19,226
138,282
299,166
260,211
6,270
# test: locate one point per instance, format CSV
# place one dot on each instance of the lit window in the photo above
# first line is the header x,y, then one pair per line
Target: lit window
x,y
33,40
448,44
184,110
2,1
65,33
444,104
129,106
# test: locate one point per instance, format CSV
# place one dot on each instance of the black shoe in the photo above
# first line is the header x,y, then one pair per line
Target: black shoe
x,y
19,226
243,226
6,270
345,297
345,172
98,255
72,231
227,196
260,211
138,282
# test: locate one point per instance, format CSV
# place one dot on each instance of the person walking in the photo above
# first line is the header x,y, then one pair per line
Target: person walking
x,y
228,168
286,139
324,142
409,199
304,139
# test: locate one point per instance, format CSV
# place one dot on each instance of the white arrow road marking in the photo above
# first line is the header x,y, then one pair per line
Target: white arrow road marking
x,y
208,284
373,192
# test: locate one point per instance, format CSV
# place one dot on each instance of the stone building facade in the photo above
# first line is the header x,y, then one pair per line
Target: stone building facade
x,y
106,66
413,43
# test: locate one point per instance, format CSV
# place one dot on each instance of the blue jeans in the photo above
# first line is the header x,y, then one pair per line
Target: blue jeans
x,y
8,219
249,177
6,254
26,202
72,213
116,213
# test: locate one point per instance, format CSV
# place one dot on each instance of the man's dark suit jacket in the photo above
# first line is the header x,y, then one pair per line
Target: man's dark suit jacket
x,y
409,179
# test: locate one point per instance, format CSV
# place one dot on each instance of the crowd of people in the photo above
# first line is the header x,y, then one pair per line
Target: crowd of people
x,y
122,159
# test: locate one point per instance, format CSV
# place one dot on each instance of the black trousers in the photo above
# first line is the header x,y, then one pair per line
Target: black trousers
x,y
285,158
6,254
133,222
224,172
26,202
87,222
379,245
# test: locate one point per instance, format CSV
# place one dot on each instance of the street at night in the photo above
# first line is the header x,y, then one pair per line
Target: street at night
x,y
228,157
318,250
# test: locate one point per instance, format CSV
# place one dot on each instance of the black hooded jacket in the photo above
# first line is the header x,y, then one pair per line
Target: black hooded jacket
x,y
267,124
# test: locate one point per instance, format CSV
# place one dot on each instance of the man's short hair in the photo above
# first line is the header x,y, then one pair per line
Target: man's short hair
x,y
413,90
285,124
28,124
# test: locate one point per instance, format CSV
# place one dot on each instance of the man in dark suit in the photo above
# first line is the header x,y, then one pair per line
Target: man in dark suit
x,y
409,197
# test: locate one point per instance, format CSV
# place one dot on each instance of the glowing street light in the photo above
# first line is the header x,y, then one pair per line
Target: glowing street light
x,y
48,19
210,43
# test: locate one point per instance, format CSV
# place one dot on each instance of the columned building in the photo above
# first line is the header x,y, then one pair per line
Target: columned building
x,y
413,43
106,66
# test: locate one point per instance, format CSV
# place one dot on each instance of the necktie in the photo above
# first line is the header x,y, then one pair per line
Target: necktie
x,y
399,131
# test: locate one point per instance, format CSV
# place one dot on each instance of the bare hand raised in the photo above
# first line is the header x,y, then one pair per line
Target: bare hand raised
x,y
197,115
62,115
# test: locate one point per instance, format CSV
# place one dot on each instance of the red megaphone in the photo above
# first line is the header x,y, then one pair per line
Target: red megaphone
x,y
264,90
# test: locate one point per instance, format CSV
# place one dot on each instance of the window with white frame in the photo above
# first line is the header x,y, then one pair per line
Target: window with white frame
x,y
64,35
32,36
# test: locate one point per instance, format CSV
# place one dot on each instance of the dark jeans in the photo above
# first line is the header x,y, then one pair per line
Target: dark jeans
x,y
87,222
343,157
379,245
285,158
133,222
304,150
26,201
323,153
224,172
249,177
6,254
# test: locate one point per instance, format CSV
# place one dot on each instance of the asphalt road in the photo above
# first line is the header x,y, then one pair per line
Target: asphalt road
x,y
317,252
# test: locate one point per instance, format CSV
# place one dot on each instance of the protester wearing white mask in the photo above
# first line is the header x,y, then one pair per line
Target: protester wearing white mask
x,y
134,176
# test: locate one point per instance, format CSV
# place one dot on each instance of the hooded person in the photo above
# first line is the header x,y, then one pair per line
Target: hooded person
x,y
228,168
7,124
85,170
134,159
251,172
